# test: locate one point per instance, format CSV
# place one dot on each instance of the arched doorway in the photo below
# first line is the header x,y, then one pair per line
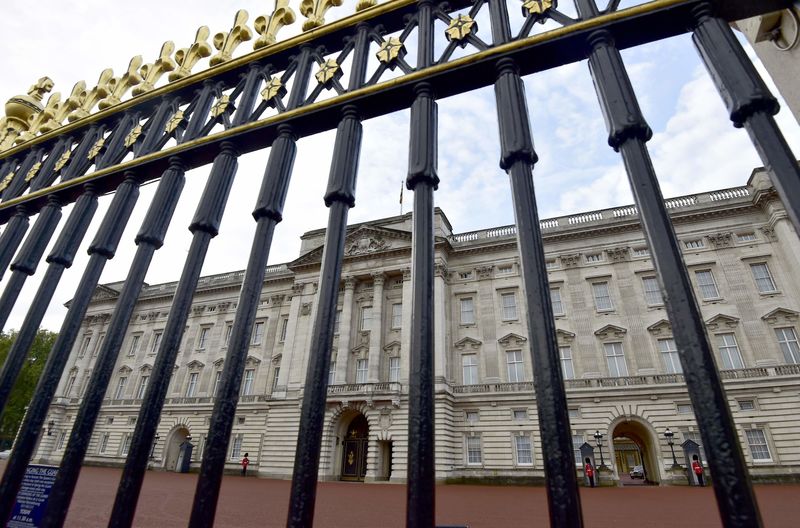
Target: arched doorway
x,y
354,449
635,454
172,447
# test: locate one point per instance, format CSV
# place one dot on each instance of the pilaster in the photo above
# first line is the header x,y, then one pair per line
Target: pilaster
x,y
376,328
345,331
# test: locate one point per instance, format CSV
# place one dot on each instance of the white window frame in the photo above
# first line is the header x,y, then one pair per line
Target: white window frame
x,y
788,343
62,437
140,390
70,384
217,380
556,301
397,316
469,415
467,305
758,444
613,352
469,369
762,276
518,450
157,335
652,291
236,446
577,441
87,340
247,381
257,338
669,356
708,289
510,312
337,319
365,322
473,450
228,332
99,344
202,339
567,366
728,344
103,443
191,385
515,366
122,383
602,299
394,369
125,444
362,370
519,417
332,372
134,348
284,329
276,372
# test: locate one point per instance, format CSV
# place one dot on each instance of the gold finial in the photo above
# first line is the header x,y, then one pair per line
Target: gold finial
x,y
42,86
268,27
460,27
65,108
37,120
391,50
153,72
314,11
120,85
365,4
226,44
21,111
188,57
87,100
536,7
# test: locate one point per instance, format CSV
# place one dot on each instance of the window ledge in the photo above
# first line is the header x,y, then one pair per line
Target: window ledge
x,y
770,293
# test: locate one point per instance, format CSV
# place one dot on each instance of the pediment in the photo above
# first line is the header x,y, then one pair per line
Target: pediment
x,y
563,336
780,316
467,343
125,369
146,367
363,240
722,321
512,339
195,365
252,361
363,347
104,292
659,327
392,347
611,331
276,360
218,363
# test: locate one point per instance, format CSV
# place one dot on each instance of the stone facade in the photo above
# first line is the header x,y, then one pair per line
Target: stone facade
x,y
623,376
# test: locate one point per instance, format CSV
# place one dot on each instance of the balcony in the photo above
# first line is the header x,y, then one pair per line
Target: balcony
x,y
365,391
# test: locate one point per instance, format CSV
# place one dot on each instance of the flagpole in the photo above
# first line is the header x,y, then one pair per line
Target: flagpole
x,y
401,197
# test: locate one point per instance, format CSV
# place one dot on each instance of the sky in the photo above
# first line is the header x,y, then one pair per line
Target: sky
x,y
694,147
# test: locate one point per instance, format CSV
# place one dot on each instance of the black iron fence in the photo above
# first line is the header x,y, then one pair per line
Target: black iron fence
x,y
287,90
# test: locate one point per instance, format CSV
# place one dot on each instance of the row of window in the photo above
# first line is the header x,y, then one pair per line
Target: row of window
x,y
729,354
603,301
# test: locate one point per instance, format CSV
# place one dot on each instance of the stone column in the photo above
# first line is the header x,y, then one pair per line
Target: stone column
x,y
376,328
345,331
440,323
289,344
405,331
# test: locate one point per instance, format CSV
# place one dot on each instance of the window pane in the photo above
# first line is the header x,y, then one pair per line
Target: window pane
x,y
394,369
523,444
757,441
602,297
366,318
555,299
362,367
469,364
467,311
669,354
729,352
121,388
134,345
577,442
258,333
473,450
190,388
787,339
397,315
509,306
616,360
763,278
567,369
516,371
705,281
201,342
652,293
284,327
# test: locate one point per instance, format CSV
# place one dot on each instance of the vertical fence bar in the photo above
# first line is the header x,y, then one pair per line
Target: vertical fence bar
x,y
518,158
749,102
339,197
268,212
204,227
102,248
423,180
628,134
148,240
18,225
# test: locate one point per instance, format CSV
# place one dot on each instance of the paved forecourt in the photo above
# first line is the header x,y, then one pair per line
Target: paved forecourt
x,y
166,501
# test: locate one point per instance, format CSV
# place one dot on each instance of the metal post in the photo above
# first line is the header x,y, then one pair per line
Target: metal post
x,y
517,159
102,248
750,104
268,212
628,133
339,197
148,240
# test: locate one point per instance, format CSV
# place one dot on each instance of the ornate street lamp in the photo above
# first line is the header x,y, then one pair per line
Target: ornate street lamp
x,y
598,437
153,449
669,435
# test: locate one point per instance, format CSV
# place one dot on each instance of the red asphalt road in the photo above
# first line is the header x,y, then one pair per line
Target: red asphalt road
x,y
167,497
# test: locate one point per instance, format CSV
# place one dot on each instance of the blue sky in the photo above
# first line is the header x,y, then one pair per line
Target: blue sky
x,y
694,147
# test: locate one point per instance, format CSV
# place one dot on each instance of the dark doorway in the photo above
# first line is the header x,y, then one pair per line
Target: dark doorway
x,y
354,454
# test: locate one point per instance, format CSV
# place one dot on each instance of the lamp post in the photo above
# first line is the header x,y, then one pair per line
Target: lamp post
x,y
669,435
598,437
153,449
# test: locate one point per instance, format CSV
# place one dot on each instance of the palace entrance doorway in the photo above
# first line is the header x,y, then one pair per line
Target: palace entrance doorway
x,y
635,454
172,454
354,449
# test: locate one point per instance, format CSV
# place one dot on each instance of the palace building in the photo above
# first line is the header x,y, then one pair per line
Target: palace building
x,y
620,363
